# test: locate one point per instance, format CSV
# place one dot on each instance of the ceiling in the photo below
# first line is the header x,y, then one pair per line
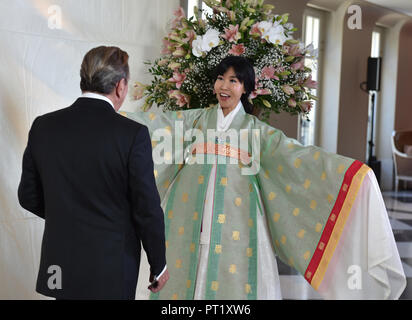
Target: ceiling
x,y
403,6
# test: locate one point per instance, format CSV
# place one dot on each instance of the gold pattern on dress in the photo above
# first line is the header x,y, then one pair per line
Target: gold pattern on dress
x,y
266,175
277,243
296,212
332,217
283,239
178,263
223,181
232,268
306,185
308,275
179,115
218,248
271,196
185,197
270,132
250,222
152,116
168,156
221,218
167,244
192,247
291,262
316,155
175,296
276,216
318,227
291,145
341,168
154,143
313,204
248,288
249,252
236,235
321,246
345,187
169,129
170,214
155,174
166,184
215,285
280,169
330,198
188,283
323,176
195,215
301,233
297,163
306,255
288,188
201,179
238,201
181,231
250,187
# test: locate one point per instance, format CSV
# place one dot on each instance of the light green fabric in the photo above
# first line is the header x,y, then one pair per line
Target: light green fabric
x,y
298,186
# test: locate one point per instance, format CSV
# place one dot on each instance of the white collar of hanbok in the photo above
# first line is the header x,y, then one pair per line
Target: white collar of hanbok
x,y
223,123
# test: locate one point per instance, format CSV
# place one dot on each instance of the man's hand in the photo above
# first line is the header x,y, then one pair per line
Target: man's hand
x,y
159,284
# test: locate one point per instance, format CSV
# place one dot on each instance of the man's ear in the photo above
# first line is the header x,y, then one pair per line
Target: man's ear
x,y
120,87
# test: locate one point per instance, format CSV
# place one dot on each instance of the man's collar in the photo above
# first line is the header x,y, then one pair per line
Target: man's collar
x,y
94,95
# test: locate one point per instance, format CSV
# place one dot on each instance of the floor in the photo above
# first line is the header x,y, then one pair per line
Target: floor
x,y
399,208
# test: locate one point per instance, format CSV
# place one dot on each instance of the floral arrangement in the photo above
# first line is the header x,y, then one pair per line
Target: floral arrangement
x,y
183,76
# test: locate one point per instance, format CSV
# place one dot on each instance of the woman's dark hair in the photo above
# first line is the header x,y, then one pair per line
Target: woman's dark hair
x,y
244,72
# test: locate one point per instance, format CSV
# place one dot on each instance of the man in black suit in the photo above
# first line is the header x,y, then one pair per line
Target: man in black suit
x,y
88,172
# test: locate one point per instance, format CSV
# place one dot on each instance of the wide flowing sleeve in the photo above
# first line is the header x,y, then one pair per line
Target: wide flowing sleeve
x,y
167,130
308,195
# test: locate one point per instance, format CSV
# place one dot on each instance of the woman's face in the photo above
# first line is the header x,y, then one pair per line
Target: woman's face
x,y
228,90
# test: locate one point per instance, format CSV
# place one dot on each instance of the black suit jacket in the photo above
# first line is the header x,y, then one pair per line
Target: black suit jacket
x,y
88,172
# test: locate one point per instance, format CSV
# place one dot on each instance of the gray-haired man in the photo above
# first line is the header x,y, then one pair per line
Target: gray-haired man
x,y
89,173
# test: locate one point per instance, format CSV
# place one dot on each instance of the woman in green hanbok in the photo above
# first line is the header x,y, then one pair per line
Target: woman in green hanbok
x,y
237,195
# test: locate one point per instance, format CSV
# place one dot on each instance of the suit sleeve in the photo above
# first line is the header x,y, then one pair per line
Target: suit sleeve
x,y
30,191
147,213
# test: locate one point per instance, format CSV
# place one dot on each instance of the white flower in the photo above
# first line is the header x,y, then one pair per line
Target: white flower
x,y
197,46
265,26
275,34
311,52
210,39
205,43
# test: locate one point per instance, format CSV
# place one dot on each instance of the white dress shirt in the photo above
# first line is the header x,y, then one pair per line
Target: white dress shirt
x,y
94,95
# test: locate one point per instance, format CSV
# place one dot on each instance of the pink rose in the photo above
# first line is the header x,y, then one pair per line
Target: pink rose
x,y
237,49
232,34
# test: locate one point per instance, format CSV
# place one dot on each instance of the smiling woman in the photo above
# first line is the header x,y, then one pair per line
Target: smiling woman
x,y
235,80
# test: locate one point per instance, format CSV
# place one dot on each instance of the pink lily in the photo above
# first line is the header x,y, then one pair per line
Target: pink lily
x,y
268,73
309,83
237,49
178,78
232,34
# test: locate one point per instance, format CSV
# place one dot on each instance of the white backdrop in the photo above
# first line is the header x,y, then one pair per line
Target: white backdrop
x,y
39,73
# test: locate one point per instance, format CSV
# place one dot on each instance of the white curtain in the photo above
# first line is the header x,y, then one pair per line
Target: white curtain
x,y
42,45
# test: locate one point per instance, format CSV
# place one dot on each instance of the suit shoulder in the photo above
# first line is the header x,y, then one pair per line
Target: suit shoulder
x,y
124,120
